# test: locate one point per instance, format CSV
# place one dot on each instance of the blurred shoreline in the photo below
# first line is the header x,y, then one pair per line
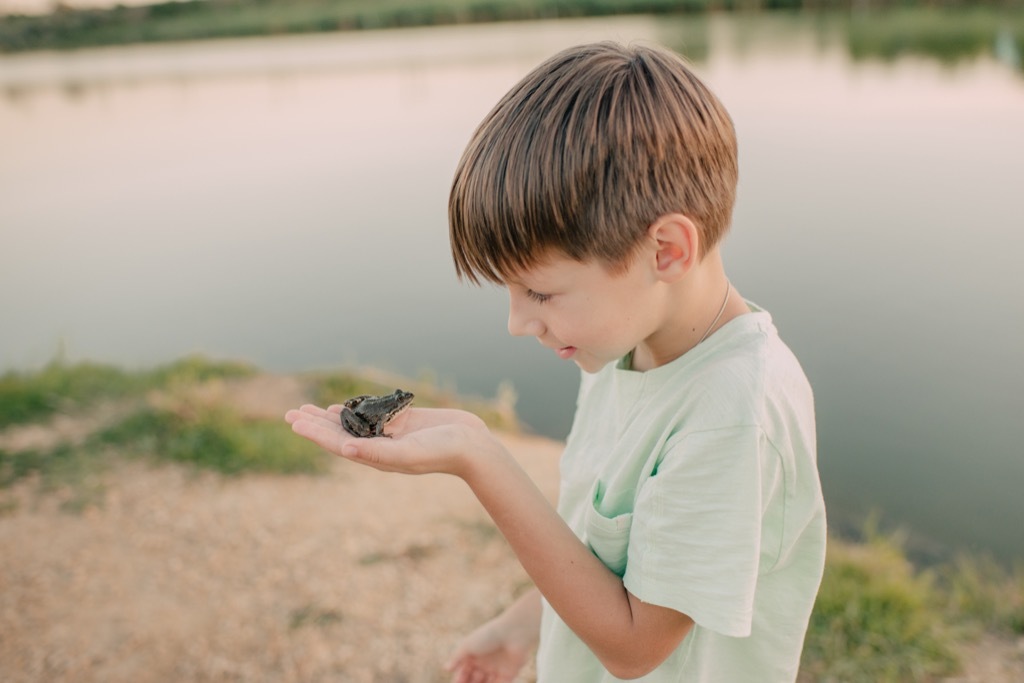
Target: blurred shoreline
x,y
28,26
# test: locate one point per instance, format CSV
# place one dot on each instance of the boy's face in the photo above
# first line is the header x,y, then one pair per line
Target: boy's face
x,y
583,312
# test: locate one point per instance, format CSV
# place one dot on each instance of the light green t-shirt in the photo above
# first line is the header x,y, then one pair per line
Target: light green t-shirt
x,y
697,482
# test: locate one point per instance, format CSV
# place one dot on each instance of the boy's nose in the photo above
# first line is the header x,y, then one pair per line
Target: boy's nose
x,y
520,322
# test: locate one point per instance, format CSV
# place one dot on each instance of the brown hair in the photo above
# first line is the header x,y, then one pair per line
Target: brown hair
x,y
583,154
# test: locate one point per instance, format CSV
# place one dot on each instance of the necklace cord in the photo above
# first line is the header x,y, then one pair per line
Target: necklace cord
x,y
728,291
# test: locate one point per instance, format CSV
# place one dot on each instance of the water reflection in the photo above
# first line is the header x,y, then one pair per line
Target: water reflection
x,y
1006,49
948,36
284,201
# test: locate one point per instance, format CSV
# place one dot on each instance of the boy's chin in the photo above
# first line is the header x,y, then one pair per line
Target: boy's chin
x,y
589,364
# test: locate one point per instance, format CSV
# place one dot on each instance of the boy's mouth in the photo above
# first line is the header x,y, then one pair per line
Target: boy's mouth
x,y
566,352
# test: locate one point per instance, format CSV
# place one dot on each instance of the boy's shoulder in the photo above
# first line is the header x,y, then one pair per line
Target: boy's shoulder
x,y
748,345
742,374
748,356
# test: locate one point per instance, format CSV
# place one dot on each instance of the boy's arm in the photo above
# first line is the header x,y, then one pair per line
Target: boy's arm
x,y
630,637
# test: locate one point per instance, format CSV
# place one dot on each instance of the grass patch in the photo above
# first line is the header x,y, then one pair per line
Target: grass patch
x,y
56,466
195,369
214,438
209,438
876,620
73,472
980,591
62,387
206,435
176,420
29,397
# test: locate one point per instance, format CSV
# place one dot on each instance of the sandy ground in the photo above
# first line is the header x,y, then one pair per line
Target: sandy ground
x,y
353,576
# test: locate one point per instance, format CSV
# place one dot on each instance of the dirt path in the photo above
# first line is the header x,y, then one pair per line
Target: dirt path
x,y
354,576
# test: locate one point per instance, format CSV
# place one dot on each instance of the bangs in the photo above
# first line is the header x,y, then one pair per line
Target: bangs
x,y
535,175
496,228
583,155
512,197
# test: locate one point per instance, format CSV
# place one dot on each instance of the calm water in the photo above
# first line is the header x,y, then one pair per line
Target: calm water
x,y
284,201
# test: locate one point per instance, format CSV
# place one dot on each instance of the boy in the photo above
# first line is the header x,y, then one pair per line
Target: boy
x,y
689,538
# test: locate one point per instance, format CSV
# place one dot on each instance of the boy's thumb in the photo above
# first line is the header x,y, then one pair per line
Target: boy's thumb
x,y
368,451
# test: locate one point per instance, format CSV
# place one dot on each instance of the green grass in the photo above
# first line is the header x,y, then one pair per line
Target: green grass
x,y
876,620
63,387
213,438
165,420
196,368
981,592
177,430
57,466
27,397
72,472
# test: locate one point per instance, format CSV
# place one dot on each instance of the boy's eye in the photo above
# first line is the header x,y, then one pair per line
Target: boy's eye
x,y
537,296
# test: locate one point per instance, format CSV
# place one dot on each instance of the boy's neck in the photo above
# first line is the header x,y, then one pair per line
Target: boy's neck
x,y
693,308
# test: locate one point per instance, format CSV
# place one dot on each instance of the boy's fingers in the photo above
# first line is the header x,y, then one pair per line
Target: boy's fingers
x,y
311,409
301,422
465,673
306,411
324,432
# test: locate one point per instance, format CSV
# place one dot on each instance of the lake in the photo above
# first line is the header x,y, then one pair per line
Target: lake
x,y
283,201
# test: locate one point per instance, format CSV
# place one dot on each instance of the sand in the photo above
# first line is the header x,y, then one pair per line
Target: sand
x,y
350,576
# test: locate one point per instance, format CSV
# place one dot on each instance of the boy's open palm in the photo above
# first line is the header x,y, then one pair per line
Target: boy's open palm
x,y
423,440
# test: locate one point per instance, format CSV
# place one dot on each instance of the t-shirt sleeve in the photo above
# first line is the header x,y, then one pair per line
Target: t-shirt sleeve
x,y
695,540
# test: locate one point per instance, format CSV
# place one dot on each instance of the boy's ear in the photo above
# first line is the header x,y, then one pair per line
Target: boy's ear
x,y
678,245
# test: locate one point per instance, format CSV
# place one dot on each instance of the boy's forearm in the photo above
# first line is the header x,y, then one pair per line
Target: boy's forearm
x,y
589,597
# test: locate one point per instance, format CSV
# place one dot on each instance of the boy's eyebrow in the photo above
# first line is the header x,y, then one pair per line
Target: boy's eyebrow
x,y
514,282
515,277
518,278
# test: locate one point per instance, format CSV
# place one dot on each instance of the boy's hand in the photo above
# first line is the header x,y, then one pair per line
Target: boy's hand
x,y
487,661
490,654
423,439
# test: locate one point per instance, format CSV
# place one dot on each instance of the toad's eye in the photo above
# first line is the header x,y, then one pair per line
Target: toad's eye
x,y
537,296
